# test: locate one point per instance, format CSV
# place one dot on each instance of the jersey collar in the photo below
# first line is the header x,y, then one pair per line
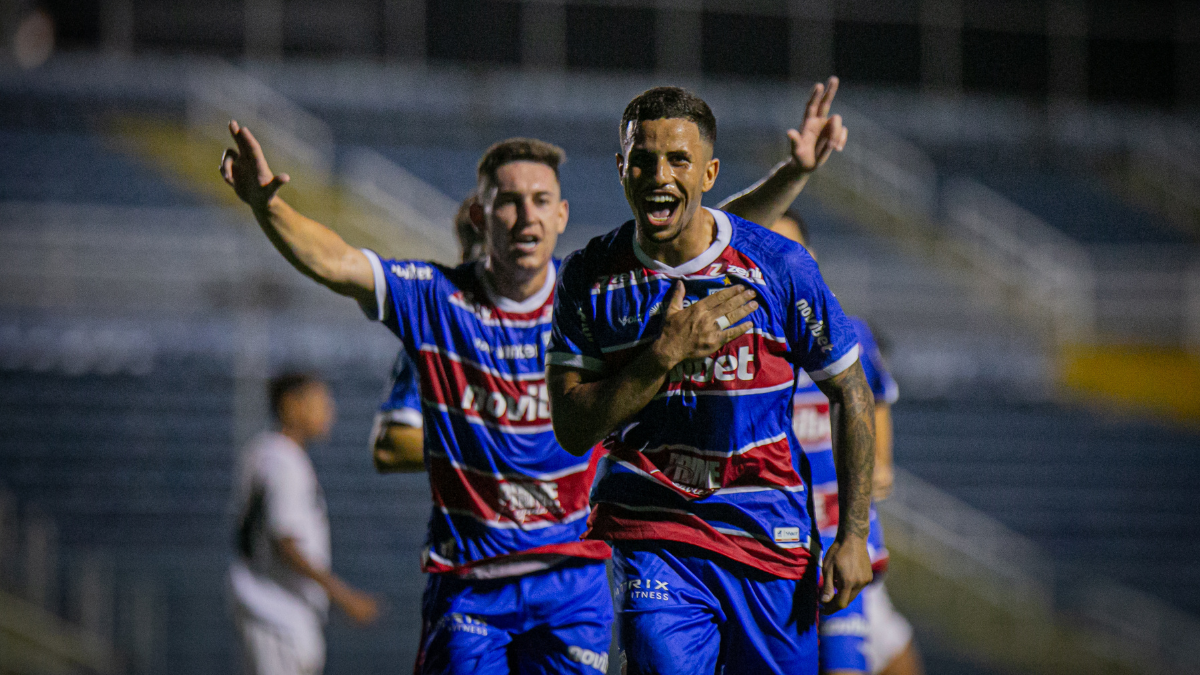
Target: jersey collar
x,y
530,304
724,235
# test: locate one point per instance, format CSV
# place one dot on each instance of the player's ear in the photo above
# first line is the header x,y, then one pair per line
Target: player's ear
x,y
477,218
620,167
710,173
564,212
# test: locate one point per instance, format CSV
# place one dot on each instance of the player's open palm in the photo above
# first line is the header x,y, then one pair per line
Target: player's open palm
x,y
246,170
819,134
695,331
845,572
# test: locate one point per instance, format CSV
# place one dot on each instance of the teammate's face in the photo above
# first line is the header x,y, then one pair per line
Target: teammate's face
x,y
666,167
523,214
310,410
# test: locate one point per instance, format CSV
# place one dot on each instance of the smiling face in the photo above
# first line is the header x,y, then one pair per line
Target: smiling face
x,y
521,216
666,167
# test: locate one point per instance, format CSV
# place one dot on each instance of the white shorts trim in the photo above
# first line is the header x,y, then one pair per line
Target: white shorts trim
x,y
889,633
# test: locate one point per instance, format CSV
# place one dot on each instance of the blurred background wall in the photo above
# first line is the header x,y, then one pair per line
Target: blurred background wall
x,y
1017,213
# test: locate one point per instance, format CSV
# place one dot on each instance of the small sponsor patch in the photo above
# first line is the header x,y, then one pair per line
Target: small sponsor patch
x,y
787,534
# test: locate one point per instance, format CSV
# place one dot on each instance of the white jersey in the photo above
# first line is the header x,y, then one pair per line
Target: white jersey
x,y
276,496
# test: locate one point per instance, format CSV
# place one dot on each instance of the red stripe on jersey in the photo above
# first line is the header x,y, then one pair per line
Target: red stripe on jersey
x,y
614,522
462,385
591,550
521,502
694,473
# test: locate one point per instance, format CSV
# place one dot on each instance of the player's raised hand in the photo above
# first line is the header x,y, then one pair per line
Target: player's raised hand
x,y
846,571
246,170
819,134
695,331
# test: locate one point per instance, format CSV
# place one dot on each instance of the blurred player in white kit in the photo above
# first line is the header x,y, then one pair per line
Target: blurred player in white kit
x,y
281,580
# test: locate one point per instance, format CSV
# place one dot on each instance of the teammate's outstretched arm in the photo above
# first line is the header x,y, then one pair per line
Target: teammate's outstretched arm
x,y
309,246
585,407
818,135
847,568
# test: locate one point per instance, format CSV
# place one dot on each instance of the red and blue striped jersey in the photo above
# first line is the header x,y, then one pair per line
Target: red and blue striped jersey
x,y
712,460
507,499
810,420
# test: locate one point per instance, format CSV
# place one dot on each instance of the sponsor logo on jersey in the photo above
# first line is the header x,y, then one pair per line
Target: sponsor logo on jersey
x,y
588,658
811,424
693,472
814,326
525,351
751,274
523,500
644,589
531,406
463,623
723,368
413,271
655,309
784,535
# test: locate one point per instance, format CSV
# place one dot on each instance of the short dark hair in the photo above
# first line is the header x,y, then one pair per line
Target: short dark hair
x,y
286,383
662,103
518,150
801,226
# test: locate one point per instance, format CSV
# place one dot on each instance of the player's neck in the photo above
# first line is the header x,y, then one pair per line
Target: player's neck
x,y
517,285
694,239
298,437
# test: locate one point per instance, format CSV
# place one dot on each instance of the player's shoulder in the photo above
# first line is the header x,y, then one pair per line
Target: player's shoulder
x,y
271,453
772,252
607,254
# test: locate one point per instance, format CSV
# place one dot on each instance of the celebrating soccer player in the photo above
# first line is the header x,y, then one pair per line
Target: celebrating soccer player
x,y
676,339
512,585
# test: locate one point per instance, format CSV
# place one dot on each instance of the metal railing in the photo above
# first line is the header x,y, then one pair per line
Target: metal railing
x,y
1015,575
219,92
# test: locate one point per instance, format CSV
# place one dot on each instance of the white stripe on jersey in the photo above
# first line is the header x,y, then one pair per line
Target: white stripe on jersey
x,y
519,377
555,475
513,525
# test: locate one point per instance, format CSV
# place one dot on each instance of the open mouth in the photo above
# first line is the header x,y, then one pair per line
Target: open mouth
x,y
660,208
526,243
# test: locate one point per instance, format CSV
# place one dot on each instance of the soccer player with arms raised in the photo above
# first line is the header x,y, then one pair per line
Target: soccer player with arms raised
x,y
676,342
512,587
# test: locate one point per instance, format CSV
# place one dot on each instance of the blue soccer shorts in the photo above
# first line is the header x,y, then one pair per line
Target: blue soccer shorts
x,y
842,638
554,621
684,611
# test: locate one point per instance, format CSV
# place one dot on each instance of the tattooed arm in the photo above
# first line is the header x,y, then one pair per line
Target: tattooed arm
x,y
847,566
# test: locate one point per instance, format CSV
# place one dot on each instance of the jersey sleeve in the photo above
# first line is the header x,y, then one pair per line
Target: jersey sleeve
x,y
571,341
882,385
402,292
288,494
822,338
403,402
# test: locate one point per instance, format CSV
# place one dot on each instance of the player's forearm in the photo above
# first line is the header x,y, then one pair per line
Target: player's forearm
x,y
399,448
768,199
315,250
854,447
583,413
290,552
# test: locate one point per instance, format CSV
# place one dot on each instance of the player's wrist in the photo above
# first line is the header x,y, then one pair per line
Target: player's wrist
x,y
794,171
